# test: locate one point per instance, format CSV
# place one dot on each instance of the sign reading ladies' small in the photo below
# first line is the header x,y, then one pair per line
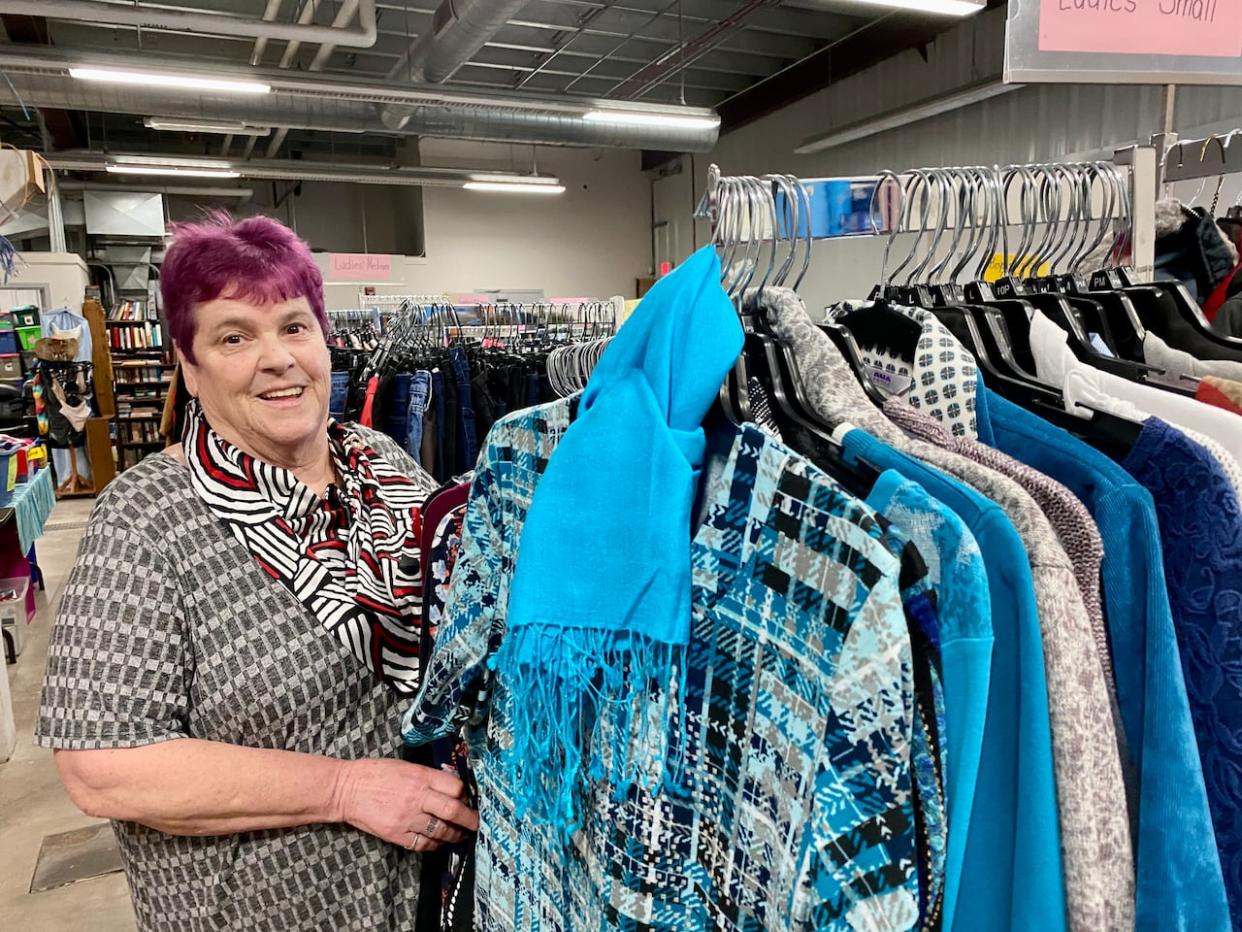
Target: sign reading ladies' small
x,y
1211,28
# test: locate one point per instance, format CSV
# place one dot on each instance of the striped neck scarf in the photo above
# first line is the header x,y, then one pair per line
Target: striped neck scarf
x,y
350,558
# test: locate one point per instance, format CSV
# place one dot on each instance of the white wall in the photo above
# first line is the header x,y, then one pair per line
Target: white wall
x,y
64,274
592,241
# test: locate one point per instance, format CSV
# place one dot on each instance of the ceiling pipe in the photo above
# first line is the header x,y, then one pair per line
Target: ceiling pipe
x,y
335,104
458,30
46,61
101,12
256,57
260,44
305,17
343,16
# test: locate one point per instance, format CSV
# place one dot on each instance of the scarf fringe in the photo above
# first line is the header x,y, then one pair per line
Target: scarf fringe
x,y
586,706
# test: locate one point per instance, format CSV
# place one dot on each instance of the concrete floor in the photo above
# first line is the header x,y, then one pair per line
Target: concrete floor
x,y
32,802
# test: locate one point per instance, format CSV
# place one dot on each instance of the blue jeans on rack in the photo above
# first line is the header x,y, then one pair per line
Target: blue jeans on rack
x,y
420,396
396,408
339,395
465,407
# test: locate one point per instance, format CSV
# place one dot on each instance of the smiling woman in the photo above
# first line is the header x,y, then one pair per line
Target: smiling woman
x,y
225,676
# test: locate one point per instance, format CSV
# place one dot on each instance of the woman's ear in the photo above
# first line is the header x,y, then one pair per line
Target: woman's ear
x,y
189,373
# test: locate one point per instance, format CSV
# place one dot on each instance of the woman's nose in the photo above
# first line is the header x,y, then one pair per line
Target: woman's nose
x,y
275,356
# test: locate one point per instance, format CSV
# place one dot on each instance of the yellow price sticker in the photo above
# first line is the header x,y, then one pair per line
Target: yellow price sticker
x,y
1025,267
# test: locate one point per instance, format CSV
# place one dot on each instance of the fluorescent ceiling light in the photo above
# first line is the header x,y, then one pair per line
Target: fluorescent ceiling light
x,y
179,172
165,79
190,126
641,118
514,179
943,7
512,187
169,160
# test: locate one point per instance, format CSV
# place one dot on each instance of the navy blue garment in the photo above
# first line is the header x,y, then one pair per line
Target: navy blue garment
x,y
468,451
1201,533
396,408
339,395
438,405
1179,885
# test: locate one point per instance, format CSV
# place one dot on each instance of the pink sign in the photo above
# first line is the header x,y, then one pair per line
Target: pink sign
x,y
359,267
1210,28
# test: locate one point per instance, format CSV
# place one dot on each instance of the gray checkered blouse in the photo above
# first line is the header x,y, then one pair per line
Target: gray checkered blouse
x,y
169,629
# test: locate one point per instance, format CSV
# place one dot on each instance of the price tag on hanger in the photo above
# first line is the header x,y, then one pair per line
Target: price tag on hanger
x,y
1210,28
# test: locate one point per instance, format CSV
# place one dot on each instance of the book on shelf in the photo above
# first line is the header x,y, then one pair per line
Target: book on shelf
x,y
147,335
134,310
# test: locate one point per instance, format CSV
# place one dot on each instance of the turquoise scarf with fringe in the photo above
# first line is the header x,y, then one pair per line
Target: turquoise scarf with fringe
x,y
599,608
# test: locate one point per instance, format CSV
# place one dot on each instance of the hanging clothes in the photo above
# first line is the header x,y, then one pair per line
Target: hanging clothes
x,y
781,558
64,320
1013,842
1083,384
1179,881
772,883
1199,518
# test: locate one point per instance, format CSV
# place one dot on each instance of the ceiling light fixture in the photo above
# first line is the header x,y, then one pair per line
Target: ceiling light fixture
x,y
167,79
179,172
514,187
514,179
191,126
170,161
642,118
942,7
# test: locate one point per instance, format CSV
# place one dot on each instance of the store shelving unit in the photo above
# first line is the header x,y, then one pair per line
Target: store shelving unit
x,y
141,375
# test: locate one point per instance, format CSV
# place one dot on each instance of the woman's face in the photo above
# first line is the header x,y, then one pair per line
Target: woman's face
x,y
263,376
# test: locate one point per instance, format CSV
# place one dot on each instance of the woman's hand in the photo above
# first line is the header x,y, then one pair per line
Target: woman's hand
x,y
415,807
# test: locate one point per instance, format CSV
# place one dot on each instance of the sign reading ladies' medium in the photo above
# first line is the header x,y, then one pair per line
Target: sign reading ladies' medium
x,y
1124,41
359,267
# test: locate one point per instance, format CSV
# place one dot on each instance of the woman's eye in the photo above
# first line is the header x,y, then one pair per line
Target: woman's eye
x,y
297,328
233,339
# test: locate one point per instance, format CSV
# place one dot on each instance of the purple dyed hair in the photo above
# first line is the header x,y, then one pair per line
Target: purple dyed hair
x,y
256,259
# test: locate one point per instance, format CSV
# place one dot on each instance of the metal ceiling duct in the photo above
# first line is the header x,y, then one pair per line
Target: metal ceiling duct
x,y
336,104
98,12
459,28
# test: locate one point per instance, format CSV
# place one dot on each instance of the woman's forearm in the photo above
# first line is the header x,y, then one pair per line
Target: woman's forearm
x,y
192,787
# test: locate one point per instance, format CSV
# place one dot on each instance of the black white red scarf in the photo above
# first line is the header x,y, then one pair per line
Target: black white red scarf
x,y
351,559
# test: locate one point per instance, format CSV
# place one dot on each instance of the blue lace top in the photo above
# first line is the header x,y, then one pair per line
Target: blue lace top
x,y
1201,532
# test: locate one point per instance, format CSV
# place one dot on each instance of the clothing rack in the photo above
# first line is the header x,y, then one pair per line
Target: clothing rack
x,y
1193,159
354,316
389,303
803,216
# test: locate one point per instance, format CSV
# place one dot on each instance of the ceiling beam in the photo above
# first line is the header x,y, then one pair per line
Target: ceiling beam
x,y
869,45
58,125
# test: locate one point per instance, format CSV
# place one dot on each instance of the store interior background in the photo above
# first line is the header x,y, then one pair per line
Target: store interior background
x,y
624,215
